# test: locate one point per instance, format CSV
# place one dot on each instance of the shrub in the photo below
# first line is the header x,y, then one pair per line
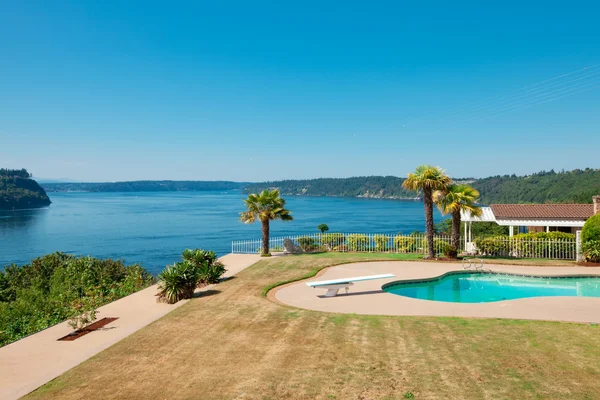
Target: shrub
x,y
58,287
358,241
332,240
382,242
492,246
543,244
308,243
591,229
405,244
85,309
177,282
450,251
528,245
591,251
210,269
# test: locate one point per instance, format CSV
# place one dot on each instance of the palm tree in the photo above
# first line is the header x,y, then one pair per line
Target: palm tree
x,y
427,179
453,200
265,207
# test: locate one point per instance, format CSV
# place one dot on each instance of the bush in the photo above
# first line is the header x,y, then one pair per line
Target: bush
x,y
591,229
405,244
528,245
450,251
358,242
591,251
58,287
308,243
332,240
382,242
210,269
494,246
177,282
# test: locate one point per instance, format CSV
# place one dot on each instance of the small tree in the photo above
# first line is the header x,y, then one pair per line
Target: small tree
x,y
265,207
323,228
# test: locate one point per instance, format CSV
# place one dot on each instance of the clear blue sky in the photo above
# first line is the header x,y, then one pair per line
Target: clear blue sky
x,y
123,90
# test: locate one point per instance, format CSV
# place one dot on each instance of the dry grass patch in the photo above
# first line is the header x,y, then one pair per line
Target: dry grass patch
x,y
239,345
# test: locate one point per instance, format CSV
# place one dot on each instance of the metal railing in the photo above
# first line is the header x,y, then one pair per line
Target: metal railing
x,y
343,242
558,249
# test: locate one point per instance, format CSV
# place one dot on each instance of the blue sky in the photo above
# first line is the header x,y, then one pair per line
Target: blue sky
x,y
114,90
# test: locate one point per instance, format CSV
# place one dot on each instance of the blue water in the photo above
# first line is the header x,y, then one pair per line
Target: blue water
x,y
481,287
154,228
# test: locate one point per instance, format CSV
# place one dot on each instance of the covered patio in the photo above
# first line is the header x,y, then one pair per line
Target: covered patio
x,y
523,218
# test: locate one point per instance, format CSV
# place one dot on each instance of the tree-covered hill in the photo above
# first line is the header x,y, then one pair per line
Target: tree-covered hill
x,y
388,187
18,191
577,186
144,186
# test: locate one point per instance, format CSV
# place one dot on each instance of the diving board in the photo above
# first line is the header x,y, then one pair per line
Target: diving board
x,y
334,285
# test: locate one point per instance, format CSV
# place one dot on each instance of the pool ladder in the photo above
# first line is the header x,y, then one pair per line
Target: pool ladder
x,y
475,264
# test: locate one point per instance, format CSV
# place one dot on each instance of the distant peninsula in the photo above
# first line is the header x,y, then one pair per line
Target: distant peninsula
x,y
18,191
145,186
577,186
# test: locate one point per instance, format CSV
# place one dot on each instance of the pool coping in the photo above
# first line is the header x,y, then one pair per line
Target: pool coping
x,y
467,272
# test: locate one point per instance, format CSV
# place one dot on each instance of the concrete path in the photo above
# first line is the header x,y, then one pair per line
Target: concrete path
x,y
368,297
35,360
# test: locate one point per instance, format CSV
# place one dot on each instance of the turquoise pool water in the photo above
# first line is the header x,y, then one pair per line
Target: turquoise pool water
x,y
482,287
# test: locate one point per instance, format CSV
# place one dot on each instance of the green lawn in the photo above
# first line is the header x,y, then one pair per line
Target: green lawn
x,y
234,343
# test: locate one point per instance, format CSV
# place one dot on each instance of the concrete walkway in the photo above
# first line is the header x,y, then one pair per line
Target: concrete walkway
x,y
35,360
368,298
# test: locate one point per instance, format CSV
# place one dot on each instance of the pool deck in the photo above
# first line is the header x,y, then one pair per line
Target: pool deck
x,y
368,298
35,360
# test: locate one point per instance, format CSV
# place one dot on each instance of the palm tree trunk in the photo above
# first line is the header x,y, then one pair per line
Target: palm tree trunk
x,y
456,229
265,237
428,202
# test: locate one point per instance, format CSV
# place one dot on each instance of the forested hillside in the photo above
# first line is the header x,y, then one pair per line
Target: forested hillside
x,y
381,187
577,186
144,186
18,191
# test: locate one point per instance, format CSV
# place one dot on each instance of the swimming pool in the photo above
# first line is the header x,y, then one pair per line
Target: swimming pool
x,y
483,287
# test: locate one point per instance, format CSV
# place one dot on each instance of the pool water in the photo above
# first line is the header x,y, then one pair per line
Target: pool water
x,y
482,287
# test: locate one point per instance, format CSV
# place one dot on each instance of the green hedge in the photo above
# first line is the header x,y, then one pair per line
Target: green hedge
x,y
591,229
528,245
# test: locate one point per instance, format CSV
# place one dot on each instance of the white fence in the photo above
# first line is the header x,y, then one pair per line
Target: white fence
x,y
555,249
558,249
357,242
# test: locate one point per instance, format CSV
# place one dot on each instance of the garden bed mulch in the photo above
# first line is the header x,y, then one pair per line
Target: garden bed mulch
x,y
90,328
588,264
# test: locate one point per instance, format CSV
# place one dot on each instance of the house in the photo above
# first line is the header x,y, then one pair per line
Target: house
x,y
522,218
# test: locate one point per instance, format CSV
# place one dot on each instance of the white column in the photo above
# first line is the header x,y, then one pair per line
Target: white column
x,y
471,232
547,229
511,230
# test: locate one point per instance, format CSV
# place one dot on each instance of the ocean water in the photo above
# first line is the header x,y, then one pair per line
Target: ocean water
x,y
154,228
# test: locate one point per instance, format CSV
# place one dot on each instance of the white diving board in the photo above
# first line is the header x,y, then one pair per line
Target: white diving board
x,y
334,285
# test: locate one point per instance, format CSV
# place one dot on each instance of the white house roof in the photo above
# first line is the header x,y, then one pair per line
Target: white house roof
x,y
486,216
